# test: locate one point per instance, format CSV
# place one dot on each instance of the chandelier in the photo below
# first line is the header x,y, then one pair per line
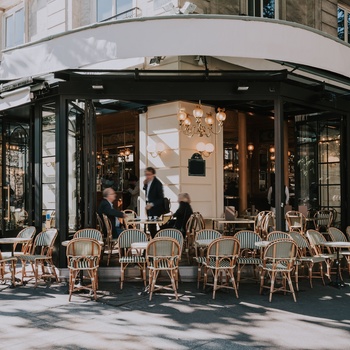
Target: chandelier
x,y
124,153
199,128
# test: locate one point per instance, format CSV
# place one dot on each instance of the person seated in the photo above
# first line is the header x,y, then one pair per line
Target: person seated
x,y
106,207
182,214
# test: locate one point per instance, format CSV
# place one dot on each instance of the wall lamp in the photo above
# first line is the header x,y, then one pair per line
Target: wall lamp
x,y
205,149
156,150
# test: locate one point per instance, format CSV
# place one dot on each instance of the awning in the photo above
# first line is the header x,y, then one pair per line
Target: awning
x,y
207,35
14,98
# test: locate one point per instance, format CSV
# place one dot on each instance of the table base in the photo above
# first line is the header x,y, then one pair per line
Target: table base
x,y
337,284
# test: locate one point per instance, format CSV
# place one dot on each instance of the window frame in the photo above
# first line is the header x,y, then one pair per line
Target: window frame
x,y
11,12
261,9
114,9
346,22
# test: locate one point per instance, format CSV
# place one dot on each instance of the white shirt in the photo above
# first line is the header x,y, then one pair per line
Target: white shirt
x,y
148,188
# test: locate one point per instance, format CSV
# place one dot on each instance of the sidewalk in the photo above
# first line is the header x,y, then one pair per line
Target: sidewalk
x,y
43,318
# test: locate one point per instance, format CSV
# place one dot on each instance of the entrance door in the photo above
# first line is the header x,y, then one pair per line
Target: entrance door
x,y
14,180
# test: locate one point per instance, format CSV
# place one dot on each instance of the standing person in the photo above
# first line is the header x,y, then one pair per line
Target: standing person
x,y
154,197
106,207
271,194
134,190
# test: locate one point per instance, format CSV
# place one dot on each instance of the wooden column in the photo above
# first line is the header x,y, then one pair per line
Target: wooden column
x,y
242,161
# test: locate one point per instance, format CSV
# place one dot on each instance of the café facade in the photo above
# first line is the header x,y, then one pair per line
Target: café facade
x,y
80,110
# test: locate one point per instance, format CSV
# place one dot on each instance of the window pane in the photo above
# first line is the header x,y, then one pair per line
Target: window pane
x,y
9,31
19,27
340,23
124,5
269,8
104,9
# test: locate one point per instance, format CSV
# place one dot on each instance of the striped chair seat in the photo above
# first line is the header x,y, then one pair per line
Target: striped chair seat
x,y
132,259
163,264
223,264
279,267
248,260
28,257
83,263
200,259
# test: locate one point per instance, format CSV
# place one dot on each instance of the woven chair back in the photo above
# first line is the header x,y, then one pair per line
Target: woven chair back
x,y
171,233
44,241
283,249
91,233
163,247
247,239
208,234
127,237
99,223
83,247
224,247
323,218
273,236
195,223
300,240
337,235
27,232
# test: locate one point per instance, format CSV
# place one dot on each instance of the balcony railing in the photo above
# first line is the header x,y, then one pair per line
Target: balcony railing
x,y
132,13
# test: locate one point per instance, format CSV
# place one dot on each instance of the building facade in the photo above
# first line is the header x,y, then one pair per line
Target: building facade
x,y
91,92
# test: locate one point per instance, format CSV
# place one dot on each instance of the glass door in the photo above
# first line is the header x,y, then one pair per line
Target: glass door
x,y
14,182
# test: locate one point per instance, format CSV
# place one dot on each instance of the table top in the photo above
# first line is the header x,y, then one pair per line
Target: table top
x,y
262,244
12,240
204,242
65,243
236,221
337,244
139,245
144,222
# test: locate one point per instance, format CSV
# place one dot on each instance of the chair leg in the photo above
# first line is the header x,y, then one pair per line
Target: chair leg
x,y
144,274
122,268
36,273
199,274
273,277
311,265
215,282
239,267
291,286
173,283
262,279
296,275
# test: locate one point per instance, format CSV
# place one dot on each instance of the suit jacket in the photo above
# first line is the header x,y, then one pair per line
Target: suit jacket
x,y
155,195
105,208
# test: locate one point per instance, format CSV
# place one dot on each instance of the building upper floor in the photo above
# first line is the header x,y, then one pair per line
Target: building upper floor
x,y
24,21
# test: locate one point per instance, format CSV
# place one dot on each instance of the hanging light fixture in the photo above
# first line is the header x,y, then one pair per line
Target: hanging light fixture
x,y
199,128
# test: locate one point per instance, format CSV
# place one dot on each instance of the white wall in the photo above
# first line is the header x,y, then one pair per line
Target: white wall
x,y
160,124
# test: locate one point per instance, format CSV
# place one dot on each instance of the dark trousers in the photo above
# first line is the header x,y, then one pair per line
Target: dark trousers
x,y
152,228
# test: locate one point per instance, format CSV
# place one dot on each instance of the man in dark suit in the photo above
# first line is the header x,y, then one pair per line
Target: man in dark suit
x,y
106,207
154,197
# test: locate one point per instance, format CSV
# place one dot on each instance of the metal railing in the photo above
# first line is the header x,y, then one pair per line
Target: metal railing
x,y
131,13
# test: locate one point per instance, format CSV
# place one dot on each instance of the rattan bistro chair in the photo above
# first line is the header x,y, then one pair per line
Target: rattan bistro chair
x,y
220,262
111,246
347,231
338,236
83,254
163,254
126,256
27,232
8,267
130,215
99,223
40,256
306,256
279,258
194,224
172,233
323,220
296,221
249,252
316,239
200,258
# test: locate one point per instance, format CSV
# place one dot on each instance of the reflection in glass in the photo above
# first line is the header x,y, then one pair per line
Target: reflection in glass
x,y
341,28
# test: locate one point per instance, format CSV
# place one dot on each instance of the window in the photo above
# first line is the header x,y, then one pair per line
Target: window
x,y
344,24
263,8
110,8
14,27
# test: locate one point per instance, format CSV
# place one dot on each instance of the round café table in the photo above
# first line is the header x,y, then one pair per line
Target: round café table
x,y
13,241
337,245
140,247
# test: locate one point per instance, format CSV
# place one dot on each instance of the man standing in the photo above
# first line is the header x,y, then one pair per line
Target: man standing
x,y
154,197
106,207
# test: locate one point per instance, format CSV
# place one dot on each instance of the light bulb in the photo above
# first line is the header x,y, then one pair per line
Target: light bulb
x,y
209,147
209,119
187,121
221,115
181,115
200,146
127,152
198,112
272,149
250,147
